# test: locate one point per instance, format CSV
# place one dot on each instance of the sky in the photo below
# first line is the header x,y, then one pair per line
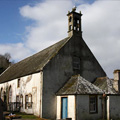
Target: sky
x,y
28,26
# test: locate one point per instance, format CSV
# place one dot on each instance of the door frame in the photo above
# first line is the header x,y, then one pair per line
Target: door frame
x,y
62,107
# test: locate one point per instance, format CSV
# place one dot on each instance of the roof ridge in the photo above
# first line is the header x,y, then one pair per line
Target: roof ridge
x,y
33,63
77,83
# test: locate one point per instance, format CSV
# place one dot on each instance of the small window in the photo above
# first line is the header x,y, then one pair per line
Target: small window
x,y
17,98
93,104
74,27
28,101
70,27
17,102
70,19
76,63
18,83
78,21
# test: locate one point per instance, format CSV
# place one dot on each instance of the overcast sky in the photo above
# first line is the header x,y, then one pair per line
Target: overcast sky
x,y
28,26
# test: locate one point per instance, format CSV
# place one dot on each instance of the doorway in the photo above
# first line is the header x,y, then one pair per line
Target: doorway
x,y
64,107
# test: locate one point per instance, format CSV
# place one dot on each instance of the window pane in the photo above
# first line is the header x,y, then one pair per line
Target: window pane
x,y
76,63
93,104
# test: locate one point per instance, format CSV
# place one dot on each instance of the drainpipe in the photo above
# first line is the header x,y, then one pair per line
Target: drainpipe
x,y
108,107
103,106
75,107
41,93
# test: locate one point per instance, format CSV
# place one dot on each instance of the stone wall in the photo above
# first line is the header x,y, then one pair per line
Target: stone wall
x,y
60,69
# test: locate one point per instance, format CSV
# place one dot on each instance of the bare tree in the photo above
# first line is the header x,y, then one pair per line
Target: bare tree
x,y
7,56
5,62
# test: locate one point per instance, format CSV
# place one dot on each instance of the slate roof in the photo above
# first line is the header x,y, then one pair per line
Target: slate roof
x,y
105,84
78,85
32,64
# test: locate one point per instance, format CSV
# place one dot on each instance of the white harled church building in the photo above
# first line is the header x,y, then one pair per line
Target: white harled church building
x,y
62,81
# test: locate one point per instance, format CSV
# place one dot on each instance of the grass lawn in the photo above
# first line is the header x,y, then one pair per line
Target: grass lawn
x,y
26,116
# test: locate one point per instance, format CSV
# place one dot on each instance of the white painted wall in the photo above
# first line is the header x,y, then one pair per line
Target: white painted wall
x,y
31,84
71,106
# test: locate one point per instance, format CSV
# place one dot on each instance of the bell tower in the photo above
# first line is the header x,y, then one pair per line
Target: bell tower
x,y
74,22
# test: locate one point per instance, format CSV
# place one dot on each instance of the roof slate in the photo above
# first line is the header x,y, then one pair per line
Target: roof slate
x,y
32,64
105,84
78,85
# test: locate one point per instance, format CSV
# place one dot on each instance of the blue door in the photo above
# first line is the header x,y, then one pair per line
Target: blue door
x,y
64,107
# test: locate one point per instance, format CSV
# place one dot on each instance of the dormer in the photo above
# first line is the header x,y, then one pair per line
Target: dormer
x,y
74,22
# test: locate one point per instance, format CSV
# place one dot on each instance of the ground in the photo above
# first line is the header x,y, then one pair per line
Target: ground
x,y
25,116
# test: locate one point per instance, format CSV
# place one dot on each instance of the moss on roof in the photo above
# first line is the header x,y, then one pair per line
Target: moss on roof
x,y
78,85
105,84
32,64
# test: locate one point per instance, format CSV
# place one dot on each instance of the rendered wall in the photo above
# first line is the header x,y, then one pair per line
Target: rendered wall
x,y
113,107
60,69
82,103
31,84
71,107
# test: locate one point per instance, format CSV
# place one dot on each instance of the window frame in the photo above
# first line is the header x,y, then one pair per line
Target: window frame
x,y
21,100
18,83
10,93
17,101
76,62
96,104
28,104
1,93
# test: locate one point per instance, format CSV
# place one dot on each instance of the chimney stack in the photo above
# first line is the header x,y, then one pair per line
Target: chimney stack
x,y
116,83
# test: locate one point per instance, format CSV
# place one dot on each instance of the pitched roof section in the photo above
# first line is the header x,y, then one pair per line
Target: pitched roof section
x,y
105,84
33,63
78,85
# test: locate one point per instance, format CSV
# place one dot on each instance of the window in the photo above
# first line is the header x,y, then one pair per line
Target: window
x,y
17,98
1,93
70,19
4,98
93,104
28,101
76,63
17,102
21,100
70,27
18,83
10,94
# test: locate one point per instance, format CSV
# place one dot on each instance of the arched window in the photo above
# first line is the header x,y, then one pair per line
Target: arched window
x,y
18,83
21,100
10,94
4,96
1,94
28,101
